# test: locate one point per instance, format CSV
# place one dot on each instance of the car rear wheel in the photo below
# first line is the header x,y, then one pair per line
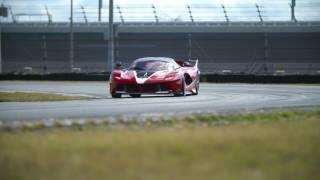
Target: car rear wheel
x,y
116,95
197,85
135,95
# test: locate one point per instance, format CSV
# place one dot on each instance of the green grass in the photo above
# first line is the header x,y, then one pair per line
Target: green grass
x,y
280,145
27,97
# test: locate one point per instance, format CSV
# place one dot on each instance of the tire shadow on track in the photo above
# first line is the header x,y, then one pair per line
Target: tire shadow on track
x,y
149,97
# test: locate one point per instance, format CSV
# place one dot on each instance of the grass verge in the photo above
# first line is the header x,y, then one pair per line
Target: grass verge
x,y
27,97
253,146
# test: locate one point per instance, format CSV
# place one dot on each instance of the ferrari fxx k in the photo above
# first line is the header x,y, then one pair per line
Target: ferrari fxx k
x,y
156,75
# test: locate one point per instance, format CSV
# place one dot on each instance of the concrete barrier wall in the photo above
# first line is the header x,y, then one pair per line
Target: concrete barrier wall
x,y
241,53
211,78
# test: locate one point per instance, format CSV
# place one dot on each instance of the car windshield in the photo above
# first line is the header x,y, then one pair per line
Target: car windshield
x,y
151,65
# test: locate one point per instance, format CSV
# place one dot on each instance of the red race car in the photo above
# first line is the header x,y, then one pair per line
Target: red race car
x,y
156,75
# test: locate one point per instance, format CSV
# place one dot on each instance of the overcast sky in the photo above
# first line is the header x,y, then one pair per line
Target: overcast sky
x,y
167,10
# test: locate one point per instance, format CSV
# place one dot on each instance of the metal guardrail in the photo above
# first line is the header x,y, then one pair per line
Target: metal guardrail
x,y
102,24
143,27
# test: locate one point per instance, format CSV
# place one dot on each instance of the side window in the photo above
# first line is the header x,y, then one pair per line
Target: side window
x,y
171,67
175,66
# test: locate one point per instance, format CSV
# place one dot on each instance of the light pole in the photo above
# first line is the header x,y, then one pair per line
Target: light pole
x,y
266,53
2,15
45,55
111,38
71,36
99,9
190,46
293,5
0,51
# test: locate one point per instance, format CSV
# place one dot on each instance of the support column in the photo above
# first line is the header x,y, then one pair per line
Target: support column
x,y
111,38
190,46
45,55
266,53
293,5
71,37
116,47
2,15
0,50
99,13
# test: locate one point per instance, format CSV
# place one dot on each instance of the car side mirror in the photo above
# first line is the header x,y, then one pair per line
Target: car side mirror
x,y
118,65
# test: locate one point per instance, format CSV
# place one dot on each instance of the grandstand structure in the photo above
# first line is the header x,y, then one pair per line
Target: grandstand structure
x,y
238,39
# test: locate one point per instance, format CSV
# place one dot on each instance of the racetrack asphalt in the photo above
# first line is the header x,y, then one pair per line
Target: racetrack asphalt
x,y
213,98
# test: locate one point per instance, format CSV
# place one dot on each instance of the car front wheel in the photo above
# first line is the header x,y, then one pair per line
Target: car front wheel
x,y
135,95
183,89
197,85
116,95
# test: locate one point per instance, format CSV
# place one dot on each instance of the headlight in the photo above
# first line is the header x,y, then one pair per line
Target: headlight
x,y
126,75
115,75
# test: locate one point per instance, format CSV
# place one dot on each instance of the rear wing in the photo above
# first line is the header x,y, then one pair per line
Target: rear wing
x,y
195,62
189,63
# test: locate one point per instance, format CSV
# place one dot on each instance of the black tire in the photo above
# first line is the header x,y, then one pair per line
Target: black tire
x,y
183,90
135,95
116,95
197,85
